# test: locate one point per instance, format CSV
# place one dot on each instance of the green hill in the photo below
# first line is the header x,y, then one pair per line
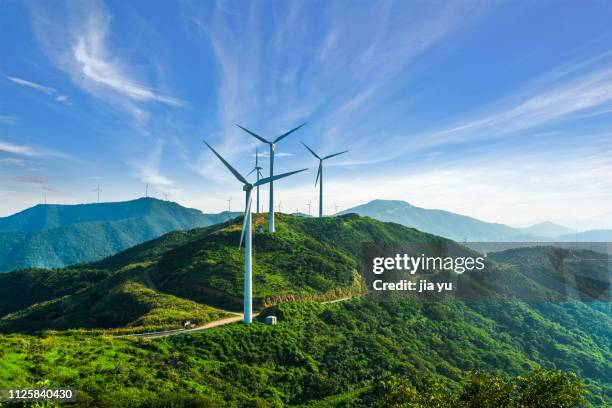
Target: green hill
x,y
333,354
53,236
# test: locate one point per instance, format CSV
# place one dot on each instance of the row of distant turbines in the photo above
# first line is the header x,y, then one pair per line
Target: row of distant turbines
x,y
247,187
279,207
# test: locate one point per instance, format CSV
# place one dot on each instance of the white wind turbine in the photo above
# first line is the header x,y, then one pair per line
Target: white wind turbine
x,y
272,145
257,169
320,174
246,231
98,190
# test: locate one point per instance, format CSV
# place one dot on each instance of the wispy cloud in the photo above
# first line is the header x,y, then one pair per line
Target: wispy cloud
x,y
11,161
8,120
84,50
98,67
18,149
30,151
576,95
342,71
41,88
46,89
148,171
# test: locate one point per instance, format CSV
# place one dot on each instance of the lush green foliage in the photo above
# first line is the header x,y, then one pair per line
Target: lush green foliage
x,y
53,236
538,389
305,258
318,354
122,300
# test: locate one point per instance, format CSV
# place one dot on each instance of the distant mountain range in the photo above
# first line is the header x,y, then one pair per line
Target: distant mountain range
x,y
463,228
53,236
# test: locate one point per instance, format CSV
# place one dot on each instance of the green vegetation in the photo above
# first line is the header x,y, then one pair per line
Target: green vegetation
x,y
359,352
53,236
122,301
318,354
538,388
306,258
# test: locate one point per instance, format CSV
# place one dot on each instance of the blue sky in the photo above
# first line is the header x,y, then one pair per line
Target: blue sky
x,y
499,110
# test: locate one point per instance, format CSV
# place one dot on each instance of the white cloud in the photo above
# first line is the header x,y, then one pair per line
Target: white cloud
x,y
63,99
31,151
11,161
98,67
148,170
46,89
18,149
41,88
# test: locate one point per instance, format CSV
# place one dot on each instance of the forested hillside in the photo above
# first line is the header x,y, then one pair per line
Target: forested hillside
x,y
53,236
357,352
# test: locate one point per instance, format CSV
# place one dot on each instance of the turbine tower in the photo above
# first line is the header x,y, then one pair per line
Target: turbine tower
x,y
272,145
309,204
258,169
246,231
98,190
229,204
320,174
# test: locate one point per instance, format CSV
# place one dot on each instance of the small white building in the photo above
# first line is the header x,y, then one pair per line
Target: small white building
x,y
271,320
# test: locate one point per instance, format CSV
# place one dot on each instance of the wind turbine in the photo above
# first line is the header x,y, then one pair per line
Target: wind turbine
x,y
272,145
229,204
147,190
320,174
258,169
309,204
98,190
246,231
336,207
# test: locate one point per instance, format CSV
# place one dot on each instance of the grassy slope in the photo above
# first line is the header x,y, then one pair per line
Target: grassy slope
x,y
122,300
317,351
305,257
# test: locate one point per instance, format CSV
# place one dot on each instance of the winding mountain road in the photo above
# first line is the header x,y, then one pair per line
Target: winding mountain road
x,y
216,323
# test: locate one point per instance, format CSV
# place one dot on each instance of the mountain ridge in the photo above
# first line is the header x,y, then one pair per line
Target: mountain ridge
x,y
53,235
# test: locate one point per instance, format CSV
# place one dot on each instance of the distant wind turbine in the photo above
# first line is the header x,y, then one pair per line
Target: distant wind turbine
x,y
229,204
258,169
320,174
309,204
246,231
147,190
272,145
336,207
98,190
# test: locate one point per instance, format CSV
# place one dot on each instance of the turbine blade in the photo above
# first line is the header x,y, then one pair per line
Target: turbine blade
x,y
276,177
246,212
318,173
233,170
249,173
335,154
311,151
284,135
255,135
